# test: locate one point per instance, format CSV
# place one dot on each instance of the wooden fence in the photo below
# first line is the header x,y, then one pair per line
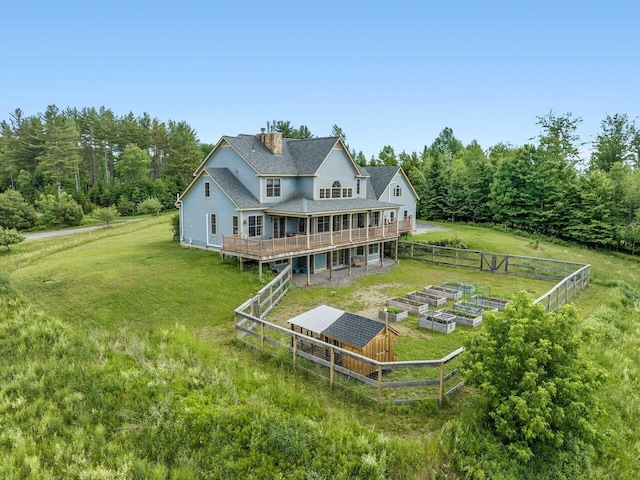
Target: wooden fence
x,y
572,276
407,381
271,338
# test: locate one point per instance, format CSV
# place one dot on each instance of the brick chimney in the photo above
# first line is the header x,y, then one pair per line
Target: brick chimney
x,y
272,139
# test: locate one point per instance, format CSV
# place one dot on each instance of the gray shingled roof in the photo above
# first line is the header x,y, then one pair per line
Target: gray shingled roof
x,y
308,154
260,157
299,157
353,329
234,188
381,177
302,205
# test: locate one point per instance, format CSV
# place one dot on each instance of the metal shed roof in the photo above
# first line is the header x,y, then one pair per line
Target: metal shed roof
x,y
317,319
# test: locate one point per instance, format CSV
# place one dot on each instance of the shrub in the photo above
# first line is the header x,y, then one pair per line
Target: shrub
x,y
60,212
106,214
15,212
175,226
9,237
150,206
455,242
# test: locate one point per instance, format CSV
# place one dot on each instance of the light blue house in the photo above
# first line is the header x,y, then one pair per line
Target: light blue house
x,y
276,201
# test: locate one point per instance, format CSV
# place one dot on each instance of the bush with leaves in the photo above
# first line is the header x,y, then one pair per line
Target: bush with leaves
x,y
150,206
175,225
15,212
60,212
106,214
540,391
9,237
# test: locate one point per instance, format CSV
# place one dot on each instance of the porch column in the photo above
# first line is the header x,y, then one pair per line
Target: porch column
x,y
308,230
331,228
350,227
368,222
330,265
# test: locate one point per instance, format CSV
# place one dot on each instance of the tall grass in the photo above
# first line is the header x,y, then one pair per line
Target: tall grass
x,y
131,371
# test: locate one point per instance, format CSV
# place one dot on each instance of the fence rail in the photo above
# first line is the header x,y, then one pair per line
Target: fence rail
x,y
572,276
263,335
404,381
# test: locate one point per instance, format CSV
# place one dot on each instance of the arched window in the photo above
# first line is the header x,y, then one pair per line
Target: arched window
x,y
335,189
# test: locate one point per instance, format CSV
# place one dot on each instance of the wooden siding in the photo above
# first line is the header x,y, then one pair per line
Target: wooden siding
x,y
380,348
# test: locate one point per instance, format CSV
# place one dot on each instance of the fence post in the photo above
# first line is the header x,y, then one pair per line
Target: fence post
x,y
332,369
440,393
261,335
294,338
379,383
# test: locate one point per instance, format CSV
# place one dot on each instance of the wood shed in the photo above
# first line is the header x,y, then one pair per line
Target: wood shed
x,y
355,333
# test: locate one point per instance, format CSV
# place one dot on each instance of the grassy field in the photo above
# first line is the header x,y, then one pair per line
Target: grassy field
x,y
134,279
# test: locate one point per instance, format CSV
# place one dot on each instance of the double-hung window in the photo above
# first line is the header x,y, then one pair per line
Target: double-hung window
x,y
255,225
207,189
273,187
213,224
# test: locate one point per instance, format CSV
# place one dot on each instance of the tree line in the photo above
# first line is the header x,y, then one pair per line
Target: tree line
x,y
72,161
545,188
66,162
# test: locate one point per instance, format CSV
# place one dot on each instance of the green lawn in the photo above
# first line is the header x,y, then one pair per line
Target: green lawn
x,y
134,277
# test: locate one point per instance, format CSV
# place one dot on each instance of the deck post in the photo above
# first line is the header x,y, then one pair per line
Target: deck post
x,y
381,250
260,270
379,383
330,265
261,335
308,269
396,250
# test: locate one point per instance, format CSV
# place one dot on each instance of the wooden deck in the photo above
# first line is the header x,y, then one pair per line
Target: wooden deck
x,y
260,249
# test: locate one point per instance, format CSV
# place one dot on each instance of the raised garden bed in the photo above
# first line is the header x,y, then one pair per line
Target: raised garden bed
x,y
412,306
470,308
460,287
392,314
431,299
449,293
439,321
489,302
461,318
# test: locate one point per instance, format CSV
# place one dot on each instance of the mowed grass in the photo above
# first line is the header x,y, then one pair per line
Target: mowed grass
x,y
140,279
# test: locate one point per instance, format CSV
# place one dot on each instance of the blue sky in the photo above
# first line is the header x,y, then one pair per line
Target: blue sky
x,y
390,73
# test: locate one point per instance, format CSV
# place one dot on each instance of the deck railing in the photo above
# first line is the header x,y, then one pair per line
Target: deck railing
x,y
257,247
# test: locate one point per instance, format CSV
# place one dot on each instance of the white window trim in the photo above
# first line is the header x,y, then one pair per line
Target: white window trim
x,y
266,187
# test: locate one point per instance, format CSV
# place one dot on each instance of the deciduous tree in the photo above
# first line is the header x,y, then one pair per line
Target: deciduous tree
x,y
539,389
